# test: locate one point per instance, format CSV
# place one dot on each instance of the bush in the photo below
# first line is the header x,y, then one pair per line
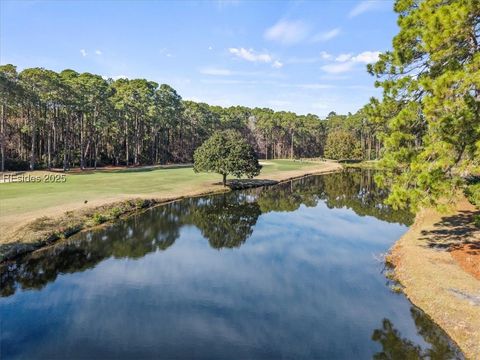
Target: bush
x,y
476,220
473,194
141,203
116,212
99,218
16,165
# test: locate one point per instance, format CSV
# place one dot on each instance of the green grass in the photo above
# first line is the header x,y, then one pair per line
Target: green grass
x,y
20,198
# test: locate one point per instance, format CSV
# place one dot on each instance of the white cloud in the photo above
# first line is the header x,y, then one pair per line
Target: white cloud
x,y
216,71
343,57
250,55
83,52
287,32
277,64
210,48
367,57
325,55
327,35
338,68
346,62
363,7
98,52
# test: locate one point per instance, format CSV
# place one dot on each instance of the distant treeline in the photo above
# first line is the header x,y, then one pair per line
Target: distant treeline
x,y
68,119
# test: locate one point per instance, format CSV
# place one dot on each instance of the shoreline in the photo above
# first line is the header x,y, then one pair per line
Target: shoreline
x,y
45,231
434,281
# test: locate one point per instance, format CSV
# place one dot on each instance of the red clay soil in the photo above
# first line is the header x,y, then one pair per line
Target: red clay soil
x,y
468,257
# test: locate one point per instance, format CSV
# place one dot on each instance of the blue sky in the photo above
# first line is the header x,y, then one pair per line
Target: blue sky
x,y
302,56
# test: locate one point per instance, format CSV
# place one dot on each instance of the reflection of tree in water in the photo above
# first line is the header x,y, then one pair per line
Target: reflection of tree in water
x,y
130,238
357,190
352,189
395,347
289,196
226,220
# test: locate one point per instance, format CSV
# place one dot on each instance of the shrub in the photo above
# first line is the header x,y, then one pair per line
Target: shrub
x,y
99,218
141,203
473,194
116,212
476,220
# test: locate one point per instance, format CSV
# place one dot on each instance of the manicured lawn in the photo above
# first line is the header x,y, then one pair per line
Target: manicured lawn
x,y
18,200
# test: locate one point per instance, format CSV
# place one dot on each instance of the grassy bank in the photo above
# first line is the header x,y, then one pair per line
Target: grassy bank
x,y
436,262
31,212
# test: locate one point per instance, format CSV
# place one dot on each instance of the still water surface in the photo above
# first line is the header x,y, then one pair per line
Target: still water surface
x,y
290,271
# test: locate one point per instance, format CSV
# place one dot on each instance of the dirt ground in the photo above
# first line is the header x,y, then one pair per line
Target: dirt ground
x,y
438,262
468,257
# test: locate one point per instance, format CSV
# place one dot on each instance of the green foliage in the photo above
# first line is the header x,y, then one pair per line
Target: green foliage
x,y
431,107
342,145
99,218
141,203
115,213
473,194
476,220
227,153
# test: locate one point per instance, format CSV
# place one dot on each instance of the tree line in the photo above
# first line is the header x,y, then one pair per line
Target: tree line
x,y
70,119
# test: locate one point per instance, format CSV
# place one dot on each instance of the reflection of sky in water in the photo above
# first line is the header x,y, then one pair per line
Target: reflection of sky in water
x,y
305,284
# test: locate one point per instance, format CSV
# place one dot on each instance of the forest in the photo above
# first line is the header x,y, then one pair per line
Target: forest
x,y
68,119
425,129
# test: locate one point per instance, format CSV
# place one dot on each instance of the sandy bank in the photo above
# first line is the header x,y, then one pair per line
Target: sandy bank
x,y
439,280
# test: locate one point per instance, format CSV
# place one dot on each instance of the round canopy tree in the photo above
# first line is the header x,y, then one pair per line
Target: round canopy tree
x,y
227,153
342,145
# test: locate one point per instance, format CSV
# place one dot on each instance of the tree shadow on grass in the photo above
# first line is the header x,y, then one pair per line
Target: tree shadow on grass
x,y
151,168
237,184
453,232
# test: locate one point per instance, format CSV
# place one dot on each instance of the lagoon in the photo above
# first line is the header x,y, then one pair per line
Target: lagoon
x,y
288,271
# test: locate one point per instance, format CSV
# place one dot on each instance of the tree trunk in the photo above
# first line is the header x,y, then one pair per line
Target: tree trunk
x,y
82,156
49,150
126,143
32,150
291,146
266,148
224,181
2,136
135,152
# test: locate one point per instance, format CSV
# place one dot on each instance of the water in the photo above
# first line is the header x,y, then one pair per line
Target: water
x,y
290,271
